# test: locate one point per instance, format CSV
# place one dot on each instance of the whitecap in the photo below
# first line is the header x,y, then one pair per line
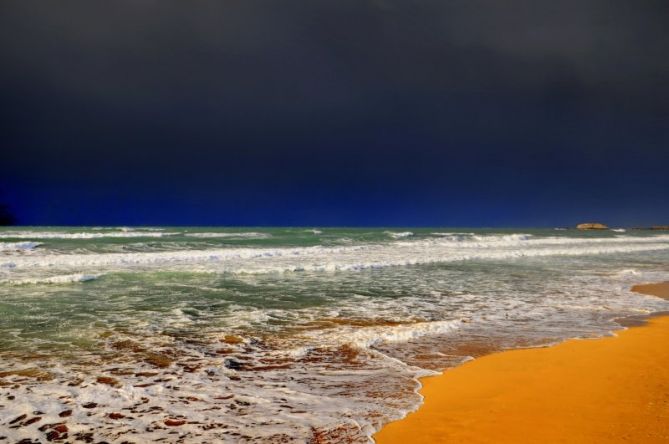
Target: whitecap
x,y
19,246
246,235
398,235
335,258
59,279
81,235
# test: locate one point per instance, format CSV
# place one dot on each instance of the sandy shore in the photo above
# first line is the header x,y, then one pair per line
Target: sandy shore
x,y
609,390
661,289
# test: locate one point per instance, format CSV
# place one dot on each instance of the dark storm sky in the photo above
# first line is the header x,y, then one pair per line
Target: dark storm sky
x,y
340,112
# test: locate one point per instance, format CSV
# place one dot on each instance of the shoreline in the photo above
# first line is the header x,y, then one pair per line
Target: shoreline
x,y
610,389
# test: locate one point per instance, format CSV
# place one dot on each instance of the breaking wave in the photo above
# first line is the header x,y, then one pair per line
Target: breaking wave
x,y
60,279
19,246
371,336
248,235
82,235
399,235
330,259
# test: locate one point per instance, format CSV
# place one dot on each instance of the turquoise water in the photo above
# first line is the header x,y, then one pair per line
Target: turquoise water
x,y
284,333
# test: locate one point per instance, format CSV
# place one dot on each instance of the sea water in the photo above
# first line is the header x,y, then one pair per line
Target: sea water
x,y
283,334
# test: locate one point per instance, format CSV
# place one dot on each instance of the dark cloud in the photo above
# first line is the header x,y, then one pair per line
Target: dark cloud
x,y
417,106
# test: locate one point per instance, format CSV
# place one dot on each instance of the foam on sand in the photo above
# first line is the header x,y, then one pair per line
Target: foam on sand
x,y
593,386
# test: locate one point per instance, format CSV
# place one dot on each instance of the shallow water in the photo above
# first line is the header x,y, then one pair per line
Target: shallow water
x,y
283,335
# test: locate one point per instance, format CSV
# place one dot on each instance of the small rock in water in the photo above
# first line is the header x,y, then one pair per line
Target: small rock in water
x,y
90,405
32,421
175,422
158,360
65,413
232,339
128,345
116,415
60,428
18,418
233,364
108,380
592,226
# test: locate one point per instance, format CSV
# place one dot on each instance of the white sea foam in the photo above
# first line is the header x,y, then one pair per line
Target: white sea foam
x,y
371,336
18,246
399,235
628,272
342,258
245,235
127,229
59,279
448,234
81,235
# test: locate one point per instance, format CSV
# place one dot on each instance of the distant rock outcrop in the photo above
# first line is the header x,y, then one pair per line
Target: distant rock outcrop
x,y
6,217
660,227
592,226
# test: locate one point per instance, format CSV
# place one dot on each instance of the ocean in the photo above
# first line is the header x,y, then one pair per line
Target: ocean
x,y
183,334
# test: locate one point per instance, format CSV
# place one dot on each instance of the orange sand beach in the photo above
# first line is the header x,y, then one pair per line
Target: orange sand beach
x,y
609,390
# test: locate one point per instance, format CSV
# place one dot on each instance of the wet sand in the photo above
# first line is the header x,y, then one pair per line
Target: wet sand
x,y
608,390
661,290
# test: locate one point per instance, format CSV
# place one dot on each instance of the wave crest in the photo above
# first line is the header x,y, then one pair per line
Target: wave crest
x,y
19,246
247,260
60,279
